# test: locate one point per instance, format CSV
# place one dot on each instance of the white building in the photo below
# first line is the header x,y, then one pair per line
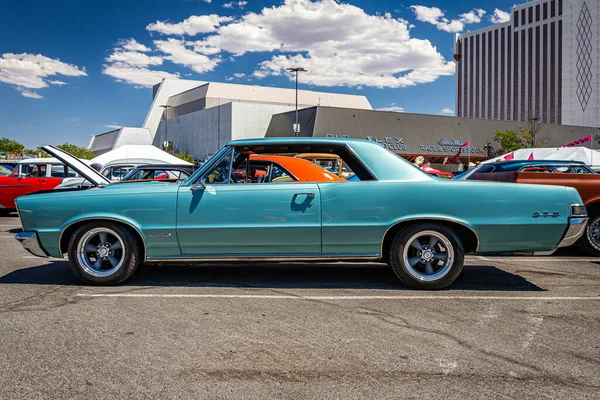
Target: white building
x,y
544,63
202,116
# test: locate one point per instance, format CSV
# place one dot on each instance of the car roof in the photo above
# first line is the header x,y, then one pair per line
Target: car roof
x,y
164,166
302,169
515,164
295,140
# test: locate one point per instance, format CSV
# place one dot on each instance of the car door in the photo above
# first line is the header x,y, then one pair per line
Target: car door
x,y
227,219
30,178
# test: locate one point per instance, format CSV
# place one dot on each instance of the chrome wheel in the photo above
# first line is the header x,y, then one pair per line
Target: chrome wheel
x,y
428,255
594,232
100,252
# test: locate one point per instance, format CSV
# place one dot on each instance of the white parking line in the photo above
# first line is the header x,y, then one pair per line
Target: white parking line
x,y
366,297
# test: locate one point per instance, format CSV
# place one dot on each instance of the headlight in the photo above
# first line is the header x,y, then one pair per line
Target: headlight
x,y
578,210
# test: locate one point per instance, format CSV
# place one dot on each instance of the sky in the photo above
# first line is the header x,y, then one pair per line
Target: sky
x,y
72,69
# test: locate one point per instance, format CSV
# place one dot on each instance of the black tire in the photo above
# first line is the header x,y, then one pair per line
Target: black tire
x,y
417,276
130,255
586,243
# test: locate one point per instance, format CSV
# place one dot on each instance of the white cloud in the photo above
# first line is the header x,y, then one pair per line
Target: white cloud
x,y
340,45
499,16
447,111
132,45
437,17
239,75
473,16
31,71
140,76
392,108
30,94
229,78
114,125
239,4
207,1
134,58
178,53
190,26
73,119
132,67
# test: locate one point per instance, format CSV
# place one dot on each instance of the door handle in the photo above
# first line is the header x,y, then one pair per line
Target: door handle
x,y
41,180
309,195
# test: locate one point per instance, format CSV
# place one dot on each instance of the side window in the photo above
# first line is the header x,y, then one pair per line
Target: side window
x,y
33,170
278,174
220,172
57,171
107,172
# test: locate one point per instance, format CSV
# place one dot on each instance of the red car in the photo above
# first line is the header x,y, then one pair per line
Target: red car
x,y
31,176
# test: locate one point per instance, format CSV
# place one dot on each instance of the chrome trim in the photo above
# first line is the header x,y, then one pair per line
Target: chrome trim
x,y
205,167
429,219
102,219
574,231
341,257
30,242
578,205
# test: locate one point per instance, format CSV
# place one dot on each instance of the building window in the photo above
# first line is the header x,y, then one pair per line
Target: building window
x,y
477,61
553,9
509,76
496,97
537,13
559,97
530,19
484,76
552,73
516,18
560,8
471,77
516,77
537,74
522,17
489,89
523,74
545,74
465,76
545,7
502,71
530,110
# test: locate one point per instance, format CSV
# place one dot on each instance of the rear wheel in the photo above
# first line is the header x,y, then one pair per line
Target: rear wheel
x,y
590,241
104,253
427,256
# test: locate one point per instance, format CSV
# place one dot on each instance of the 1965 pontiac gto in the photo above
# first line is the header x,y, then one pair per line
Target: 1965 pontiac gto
x,y
393,212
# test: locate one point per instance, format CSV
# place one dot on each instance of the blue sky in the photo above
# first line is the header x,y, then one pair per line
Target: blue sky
x,y
69,69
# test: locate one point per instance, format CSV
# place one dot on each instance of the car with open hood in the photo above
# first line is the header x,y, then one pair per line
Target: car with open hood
x,y
393,213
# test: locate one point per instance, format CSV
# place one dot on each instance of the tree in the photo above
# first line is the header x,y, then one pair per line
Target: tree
x,y
531,132
509,140
77,151
186,157
10,146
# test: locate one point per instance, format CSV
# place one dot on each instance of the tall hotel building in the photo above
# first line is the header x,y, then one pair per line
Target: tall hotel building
x,y
543,63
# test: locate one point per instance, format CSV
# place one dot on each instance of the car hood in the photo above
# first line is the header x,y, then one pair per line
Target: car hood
x,y
76,164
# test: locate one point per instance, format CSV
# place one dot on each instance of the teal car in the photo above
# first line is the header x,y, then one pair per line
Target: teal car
x,y
392,213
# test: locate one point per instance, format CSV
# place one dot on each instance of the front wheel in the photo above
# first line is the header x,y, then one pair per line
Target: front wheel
x,y
427,256
104,253
590,241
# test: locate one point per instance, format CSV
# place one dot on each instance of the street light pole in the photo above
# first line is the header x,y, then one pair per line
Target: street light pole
x,y
296,70
166,141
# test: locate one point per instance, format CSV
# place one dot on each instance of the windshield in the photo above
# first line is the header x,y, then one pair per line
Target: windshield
x,y
204,166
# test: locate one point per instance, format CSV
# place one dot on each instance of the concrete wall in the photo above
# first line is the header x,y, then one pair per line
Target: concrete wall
x,y
200,133
251,120
580,28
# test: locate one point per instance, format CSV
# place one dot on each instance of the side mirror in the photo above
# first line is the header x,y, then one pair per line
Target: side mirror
x,y
202,183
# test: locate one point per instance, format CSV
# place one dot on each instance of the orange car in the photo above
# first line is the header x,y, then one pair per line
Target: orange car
x,y
272,168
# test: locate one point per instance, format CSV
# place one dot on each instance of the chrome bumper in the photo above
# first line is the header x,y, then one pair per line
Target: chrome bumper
x,y
31,243
575,230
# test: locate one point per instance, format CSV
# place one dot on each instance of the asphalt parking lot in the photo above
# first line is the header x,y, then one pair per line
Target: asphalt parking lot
x,y
510,327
